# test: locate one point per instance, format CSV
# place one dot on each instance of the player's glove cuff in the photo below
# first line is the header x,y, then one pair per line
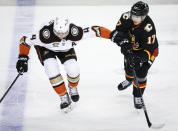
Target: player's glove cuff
x,y
23,58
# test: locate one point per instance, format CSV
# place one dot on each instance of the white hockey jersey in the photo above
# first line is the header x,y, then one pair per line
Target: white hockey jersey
x,y
45,37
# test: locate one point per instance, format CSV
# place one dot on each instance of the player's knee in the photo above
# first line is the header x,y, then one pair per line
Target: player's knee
x,y
72,68
51,67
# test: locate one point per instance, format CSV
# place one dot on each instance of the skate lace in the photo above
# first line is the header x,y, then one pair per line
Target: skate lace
x,y
65,99
125,83
73,91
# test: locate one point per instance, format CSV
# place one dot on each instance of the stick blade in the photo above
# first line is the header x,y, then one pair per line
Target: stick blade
x,y
157,126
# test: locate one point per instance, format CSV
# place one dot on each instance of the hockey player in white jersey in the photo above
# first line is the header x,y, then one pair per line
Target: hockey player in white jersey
x,y
56,40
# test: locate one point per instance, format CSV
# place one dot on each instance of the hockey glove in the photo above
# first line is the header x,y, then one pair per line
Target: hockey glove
x,y
119,37
137,60
126,48
22,64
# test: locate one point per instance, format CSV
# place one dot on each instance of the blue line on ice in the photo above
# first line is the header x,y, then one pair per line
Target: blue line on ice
x,y
14,103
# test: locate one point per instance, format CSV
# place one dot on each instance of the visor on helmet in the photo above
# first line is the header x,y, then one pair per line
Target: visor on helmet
x,y
137,19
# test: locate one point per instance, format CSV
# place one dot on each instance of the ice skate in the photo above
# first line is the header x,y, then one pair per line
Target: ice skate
x,y
65,102
123,85
137,102
73,92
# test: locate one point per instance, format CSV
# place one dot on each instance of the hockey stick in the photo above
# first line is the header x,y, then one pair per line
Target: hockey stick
x,y
10,87
150,125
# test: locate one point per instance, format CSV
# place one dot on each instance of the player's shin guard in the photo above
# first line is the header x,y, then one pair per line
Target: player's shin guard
x,y
137,97
73,83
59,86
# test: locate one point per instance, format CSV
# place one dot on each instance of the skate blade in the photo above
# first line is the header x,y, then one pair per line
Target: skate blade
x,y
67,109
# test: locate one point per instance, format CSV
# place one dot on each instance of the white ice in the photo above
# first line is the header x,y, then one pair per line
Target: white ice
x,y
101,107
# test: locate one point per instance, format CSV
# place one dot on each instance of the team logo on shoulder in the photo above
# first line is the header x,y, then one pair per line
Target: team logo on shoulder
x,y
74,31
46,33
126,15
148,27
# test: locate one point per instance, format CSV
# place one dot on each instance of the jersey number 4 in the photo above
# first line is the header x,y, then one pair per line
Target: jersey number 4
x,y
33,37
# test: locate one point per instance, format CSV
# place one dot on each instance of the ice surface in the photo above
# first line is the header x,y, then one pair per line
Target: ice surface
x,y
32,104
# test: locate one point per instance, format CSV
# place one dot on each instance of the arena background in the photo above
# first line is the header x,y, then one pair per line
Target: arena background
x,y
87,2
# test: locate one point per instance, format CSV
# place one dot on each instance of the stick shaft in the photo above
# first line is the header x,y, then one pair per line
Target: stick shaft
x,y
10,87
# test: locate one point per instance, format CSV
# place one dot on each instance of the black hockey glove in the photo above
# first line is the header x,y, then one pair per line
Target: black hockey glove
x,y
136,60
119,37
22,64
126,48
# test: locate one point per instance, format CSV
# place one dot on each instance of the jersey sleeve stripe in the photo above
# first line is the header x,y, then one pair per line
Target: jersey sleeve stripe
x,y
105,33
149,54
24,50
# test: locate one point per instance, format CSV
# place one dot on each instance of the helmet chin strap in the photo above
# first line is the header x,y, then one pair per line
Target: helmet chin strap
x,y
60,35
143,17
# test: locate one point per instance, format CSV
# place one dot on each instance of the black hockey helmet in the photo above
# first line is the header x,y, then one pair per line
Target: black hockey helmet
x,y
140,9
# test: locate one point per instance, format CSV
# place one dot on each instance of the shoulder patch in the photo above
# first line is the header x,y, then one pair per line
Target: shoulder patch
x,y
46,33
148,27
126,16
74,31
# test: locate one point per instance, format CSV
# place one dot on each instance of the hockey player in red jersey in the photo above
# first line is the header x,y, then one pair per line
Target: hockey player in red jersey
x,y
53,40
135,33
